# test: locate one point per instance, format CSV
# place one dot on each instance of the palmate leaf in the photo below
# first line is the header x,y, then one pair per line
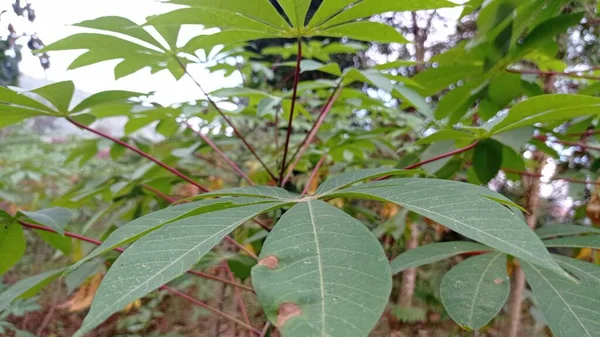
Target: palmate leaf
x,y
136,47
475,291
464,208
242,21
163,255
570,309
322,273
433,252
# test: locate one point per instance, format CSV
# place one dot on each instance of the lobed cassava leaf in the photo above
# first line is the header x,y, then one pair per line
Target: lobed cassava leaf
x,y
570,309
464,208
163,255
433,252
322,273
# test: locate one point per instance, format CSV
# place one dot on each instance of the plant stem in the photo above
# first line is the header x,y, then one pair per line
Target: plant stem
x,y
314,173
312,133
241,247
206,306
552,73
233,165
228,120
121,250
442,156
294,99
138,151
409,276
265,330
516,297
238,295
160,194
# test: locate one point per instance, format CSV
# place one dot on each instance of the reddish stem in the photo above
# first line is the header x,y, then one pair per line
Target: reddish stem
x,y
312,133
238,295
228,120
314,173
160,194
294,98
138,151
121,250
552,73
206,306
233,165
241,247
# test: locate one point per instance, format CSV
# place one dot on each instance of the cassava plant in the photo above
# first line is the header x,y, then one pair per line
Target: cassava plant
x,y
320,271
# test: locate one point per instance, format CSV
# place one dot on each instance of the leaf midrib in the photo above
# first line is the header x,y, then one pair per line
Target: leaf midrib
x,y
320,266
472,311
561,298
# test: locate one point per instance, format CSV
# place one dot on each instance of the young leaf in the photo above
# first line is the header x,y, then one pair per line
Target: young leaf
x,y
433,252
475,291
59,94
346,179
556,230
592,241
12,242
462,208
147,265
322,273
55,217
570,309
487,159
28,287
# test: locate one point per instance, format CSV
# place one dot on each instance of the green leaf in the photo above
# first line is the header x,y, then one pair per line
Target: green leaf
x,y
28,287
322,273
464,208
104,98
346,179
369,8
475,291
365,31
570,309
147,265
211,17
504,88
435,150
56,218
487,159
556,230
55,240
261,10
446,134
296,11
455,104
151,222
11,114
587,273
59,94
592,241
78,276
241,266
547,108
121,25
95,41
12,97
254,191
433,252
12,243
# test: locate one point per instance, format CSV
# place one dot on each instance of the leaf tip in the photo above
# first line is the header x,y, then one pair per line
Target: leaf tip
x,y
286,312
